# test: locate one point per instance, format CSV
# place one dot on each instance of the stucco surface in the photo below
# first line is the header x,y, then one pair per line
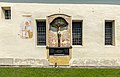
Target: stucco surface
x,y
93,16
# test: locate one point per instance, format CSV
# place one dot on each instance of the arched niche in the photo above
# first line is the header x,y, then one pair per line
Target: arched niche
x,y
58,22
52,22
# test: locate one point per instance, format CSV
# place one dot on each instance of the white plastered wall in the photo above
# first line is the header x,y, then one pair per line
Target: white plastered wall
x,y
92,15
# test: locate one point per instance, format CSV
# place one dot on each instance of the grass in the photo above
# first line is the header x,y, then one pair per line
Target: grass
x,y
59,72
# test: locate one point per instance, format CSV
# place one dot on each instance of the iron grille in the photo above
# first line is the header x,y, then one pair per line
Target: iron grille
x,y
7,14
77,33
41,32
108,33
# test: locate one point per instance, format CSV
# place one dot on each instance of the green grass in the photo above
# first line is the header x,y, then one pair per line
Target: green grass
x,y
59,72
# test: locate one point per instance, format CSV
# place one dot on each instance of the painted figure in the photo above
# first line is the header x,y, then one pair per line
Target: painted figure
x,y
26,31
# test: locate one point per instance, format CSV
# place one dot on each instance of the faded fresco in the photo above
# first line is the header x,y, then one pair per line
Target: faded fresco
x,y
26,30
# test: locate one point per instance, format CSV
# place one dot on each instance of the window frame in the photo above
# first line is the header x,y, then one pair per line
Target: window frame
x,y
9,14
39,20
80,45
113,33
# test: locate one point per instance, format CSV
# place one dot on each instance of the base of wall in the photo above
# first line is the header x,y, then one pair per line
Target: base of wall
x,y
23,62
97,62
74,62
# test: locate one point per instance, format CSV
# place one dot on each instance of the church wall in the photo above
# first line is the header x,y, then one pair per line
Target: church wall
x,y
93,52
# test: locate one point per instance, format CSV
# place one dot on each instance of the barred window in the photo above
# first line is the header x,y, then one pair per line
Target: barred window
x,y
7,12
41,32
77,33
108,33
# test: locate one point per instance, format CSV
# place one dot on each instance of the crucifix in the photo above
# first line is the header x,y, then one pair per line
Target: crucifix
x,y
59,23
59,35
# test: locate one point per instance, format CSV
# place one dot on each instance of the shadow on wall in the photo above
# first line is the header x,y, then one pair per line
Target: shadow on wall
x,y
115,2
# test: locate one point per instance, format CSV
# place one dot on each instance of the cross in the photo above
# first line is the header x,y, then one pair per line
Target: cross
x,y
59,10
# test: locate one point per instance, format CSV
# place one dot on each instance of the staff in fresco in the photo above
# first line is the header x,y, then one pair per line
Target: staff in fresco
x,y
26,30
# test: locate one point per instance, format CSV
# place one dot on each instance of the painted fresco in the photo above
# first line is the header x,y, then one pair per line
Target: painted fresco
x,y
26,31
65,33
